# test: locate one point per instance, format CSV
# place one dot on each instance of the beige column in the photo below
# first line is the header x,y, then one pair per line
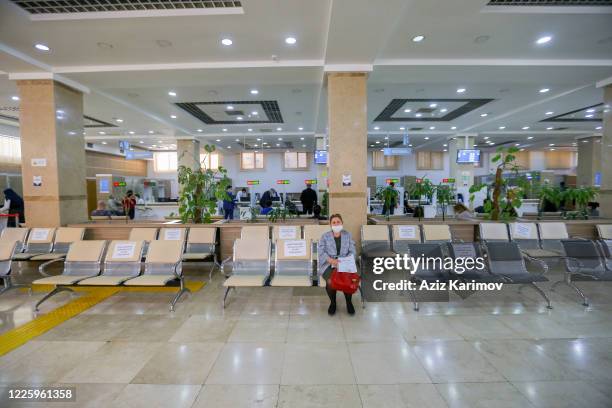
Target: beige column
x,y
347,118
589,161
52,153
462,173
188,153
605,198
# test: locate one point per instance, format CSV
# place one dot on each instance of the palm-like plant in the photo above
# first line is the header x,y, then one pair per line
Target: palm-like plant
x,y
444,196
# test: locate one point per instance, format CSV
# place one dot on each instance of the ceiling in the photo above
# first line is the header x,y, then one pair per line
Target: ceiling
x,y
149,72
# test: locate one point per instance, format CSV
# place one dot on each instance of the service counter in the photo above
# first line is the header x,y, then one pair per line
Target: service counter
x,y
468,230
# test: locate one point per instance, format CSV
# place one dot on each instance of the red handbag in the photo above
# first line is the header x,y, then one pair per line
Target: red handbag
x,y
347,282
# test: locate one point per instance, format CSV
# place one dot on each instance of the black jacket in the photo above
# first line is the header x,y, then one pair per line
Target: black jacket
x,y
308,197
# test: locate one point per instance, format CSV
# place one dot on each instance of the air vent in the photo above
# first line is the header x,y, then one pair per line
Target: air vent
x,y
234,112
416,128
93,6
266,130
556,3
90,145
426,110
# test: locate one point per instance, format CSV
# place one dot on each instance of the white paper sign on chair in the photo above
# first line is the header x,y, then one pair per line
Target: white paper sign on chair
x,y
295,248
522,231
39,234
287,232
172,234
124,250
406,231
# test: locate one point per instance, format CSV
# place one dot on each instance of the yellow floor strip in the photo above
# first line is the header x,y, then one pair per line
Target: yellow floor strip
x,y
92,296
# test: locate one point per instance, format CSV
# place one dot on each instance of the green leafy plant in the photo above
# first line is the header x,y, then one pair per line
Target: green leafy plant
x,y
200,190
280,213
325,204
424,188
581,196
389,196
444,196
254,214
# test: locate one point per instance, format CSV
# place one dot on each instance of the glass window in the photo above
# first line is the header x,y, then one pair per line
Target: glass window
x,y
164,162
382,162
295,161
10,150
209,161
251,161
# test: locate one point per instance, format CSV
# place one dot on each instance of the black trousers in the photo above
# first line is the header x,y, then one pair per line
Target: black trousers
x,y
307,209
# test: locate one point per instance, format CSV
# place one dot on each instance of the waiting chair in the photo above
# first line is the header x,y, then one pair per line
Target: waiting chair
x,y
172,234
250,264
292,263
493,232
525,234
403,235
64,236
313,232
432,272
551,235
83,261
437,233
143,234
255,232
506,260
40,241
7,250
286,232
604,231
122,262
18,235
374,240
583,262
162,265
201,245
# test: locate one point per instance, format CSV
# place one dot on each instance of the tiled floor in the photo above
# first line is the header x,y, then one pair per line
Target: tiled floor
x,y
277,347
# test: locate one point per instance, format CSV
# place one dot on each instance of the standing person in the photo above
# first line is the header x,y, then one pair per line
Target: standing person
x,y
241,194
129,204
308,199
113,207
13,204
228,204
394,202
139,199
332,245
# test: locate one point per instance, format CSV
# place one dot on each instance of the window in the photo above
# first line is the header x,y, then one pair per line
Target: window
x,y
10,150
295,161
164,162
430,161
382,162
209,161
251,161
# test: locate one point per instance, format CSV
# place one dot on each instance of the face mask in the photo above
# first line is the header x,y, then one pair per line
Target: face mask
x,y
336,228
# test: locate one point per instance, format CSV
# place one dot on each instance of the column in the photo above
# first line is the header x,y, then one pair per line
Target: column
x,y
589,162
52,153
347,118
605,198
188,153
322,171
462,173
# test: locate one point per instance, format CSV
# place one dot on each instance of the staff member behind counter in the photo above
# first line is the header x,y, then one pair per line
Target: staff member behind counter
x,y
266,200
308,199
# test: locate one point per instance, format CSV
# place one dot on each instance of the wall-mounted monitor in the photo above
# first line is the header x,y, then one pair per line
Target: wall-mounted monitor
x,y
466,156
320,156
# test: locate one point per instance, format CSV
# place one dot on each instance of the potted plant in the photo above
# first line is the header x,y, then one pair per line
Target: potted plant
x,y
200,190
444,197
422,187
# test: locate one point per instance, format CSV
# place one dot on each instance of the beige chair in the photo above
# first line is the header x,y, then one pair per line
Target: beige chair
x,y
292,263
250,264
122,262
18,235
7,250
202,245
163,264
525,234
375,238
403,236
83,261
313,232
40,241
286,232
255,232
64,236
494,232
604,231
172,234
143,234
440,233
551,234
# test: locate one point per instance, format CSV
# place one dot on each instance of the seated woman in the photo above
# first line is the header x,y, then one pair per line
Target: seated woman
x,y
463,213
332,245
101,210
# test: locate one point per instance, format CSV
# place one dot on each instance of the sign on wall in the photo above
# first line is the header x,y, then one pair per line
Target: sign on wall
x,y
283,182
252,182
40,162
311,181
104,186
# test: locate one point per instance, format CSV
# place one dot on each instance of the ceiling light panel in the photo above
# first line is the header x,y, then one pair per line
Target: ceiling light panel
x,y
92,6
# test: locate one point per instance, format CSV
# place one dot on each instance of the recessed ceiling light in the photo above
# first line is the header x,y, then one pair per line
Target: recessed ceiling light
x,y
525,127
550,128
445,150
549,113
543,40
402,128
426,137
552,149
153,145
588,116
160,141
486,137
484,115
585,141
104,143
254,92
410,145
301,138
551,144
590,110
303,145
432,127
200,130
226,41
290,40
501,127
280,138
151,132
386,137
378,142
453,127
376,128
229,107
418,38
102,133
224,129
239,118
173,116
544,90
300,128
278,129
141,142
118,120
256,145
278,144
249,129
517,144
15,98
259,138
598,128
172,93
255,113
218,140
530,137
433,105
461,90
418,115
42,47
131,132
445,145
407,110
443,110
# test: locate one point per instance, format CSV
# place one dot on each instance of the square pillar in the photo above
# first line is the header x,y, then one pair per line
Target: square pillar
x,y
52,153
589,161
347,118
462,173
605,197
188,153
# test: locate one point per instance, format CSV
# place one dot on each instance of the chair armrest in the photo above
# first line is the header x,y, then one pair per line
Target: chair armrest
x,y
175,267
225,262
543,265
579,264
579,237
41,268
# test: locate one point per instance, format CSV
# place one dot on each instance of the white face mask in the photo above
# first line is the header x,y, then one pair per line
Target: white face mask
x,y
336,228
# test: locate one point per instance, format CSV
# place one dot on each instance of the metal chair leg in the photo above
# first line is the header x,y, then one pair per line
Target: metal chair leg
x,y
8,285
54,292
363,301
227,289
178,295
415,304
585,300
541,292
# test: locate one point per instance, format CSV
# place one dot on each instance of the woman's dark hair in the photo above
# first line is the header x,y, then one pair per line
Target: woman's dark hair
x,y
335,216
10,194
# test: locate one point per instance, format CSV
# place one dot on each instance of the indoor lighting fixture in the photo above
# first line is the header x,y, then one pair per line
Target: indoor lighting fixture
x,y
501,127
218,140
453,127
486,137
259,139
42,47
484,115
445,150
433,105
549,113
426,137
386,137
280,138
525,127
418,115
544,90
104,143
550,128
229,107
410,145
141,142
160,141
224,129
290,40
530,137
378,142
278,129
445,145
301,138
443,110
418,38
551,144
15,98
173,116
102,133
590,110
151,132
407,110
131,132
278,144
402,128
200,130
119,120
172,93
552,150
543,40
300,128
460,90
376,128
227,42
239,118
588,116
254,92
249,130
432,127
254,113
303,145
598,128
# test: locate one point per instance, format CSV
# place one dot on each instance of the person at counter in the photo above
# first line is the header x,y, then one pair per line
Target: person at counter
x,y
113,206
266,202
229,202
463,213
308,198
332,245
242,195
394,202
101,210
139,199
129,204
13,204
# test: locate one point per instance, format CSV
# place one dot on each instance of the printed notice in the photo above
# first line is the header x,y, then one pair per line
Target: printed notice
x,y
464,251
172,234
37,181
296,248
346,180
406,231
39,234
287,232
522,230
347,264
39,162
124,250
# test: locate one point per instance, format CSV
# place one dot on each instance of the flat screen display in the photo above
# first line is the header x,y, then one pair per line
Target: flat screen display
x,y
468,156
320,157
